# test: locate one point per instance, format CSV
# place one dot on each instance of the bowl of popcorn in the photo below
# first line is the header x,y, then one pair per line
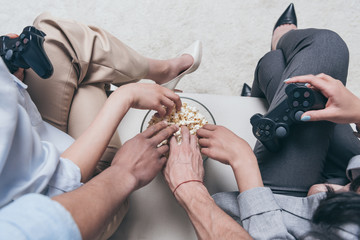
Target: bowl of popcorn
x,y
193,114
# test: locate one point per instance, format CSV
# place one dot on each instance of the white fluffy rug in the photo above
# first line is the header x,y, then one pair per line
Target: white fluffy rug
x,y
235,34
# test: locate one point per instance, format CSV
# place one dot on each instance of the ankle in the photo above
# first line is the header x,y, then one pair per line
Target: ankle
x,y
158,70
162,71
279,32
176,66
181,63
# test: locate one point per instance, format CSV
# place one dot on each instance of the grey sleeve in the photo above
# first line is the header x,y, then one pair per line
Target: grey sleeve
x,y
261,216
353,168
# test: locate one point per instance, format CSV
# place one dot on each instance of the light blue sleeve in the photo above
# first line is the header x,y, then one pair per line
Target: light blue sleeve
x,y
261,216
35,216
257,211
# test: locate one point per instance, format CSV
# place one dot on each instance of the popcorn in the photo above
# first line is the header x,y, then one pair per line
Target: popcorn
x,y
187,116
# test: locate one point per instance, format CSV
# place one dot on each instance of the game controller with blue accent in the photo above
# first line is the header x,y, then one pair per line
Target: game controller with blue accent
x,y
26,51
270,128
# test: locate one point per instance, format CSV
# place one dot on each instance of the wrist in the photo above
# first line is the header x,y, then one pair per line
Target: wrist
x,y
242,158
119,180
124,96
184,182
186,192
240,149
356,111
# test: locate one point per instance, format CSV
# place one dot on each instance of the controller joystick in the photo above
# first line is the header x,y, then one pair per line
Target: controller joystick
x,y
275,125
26,51
298,115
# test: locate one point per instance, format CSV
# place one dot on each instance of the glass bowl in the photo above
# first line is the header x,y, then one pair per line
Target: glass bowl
x,y
191,102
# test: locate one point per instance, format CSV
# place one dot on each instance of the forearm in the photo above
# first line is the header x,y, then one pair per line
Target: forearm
x,y
89,147
93,205
209,221
246,170
356,115
355,111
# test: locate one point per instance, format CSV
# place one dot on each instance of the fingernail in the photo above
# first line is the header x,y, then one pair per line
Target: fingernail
x,y
286,80
305,118
307,85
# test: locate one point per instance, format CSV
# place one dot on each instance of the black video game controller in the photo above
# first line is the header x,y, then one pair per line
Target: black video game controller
x,y
26,51
275,125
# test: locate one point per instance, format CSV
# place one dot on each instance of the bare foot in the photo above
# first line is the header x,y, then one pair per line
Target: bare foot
x,y
162,71
279,32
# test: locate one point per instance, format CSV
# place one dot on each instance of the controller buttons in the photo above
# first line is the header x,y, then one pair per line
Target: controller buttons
x,y
306,94
9,54
17,44
21,48
306,104
285,118
263,130
281,132
296,94
22,36
298,115
295,103
26,40
276,119
287,110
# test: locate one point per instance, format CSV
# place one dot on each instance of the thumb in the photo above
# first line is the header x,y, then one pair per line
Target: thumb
x,y
316,115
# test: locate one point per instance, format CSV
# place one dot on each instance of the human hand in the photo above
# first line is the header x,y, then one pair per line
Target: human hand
x,y
153,96
141,157
20,72
323,187
342,105
185,162
219,143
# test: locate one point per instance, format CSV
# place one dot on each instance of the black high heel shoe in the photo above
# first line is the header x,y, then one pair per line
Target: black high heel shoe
x,y
246,91
288,17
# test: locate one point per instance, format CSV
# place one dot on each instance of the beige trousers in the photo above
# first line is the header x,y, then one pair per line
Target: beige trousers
x,y
86,60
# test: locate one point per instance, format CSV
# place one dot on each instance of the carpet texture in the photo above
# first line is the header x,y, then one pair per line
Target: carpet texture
x,y
235,34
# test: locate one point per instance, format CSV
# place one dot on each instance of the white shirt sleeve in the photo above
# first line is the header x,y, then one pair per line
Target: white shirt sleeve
x,y
26,162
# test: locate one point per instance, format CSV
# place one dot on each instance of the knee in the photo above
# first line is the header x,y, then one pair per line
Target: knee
x,y
325,34
270,61
330,40
43,17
